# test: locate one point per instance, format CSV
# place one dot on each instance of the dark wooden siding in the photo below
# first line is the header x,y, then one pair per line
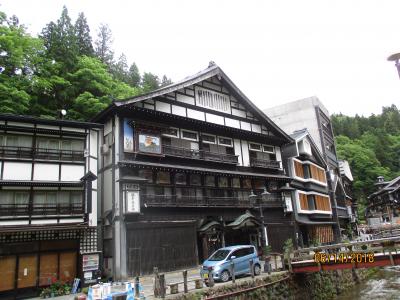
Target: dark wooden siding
x,y
166,245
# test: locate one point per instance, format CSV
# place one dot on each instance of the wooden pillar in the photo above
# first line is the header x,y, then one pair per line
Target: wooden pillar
x,y
185,282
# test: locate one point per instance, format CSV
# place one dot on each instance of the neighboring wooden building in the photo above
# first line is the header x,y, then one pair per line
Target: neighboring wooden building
x,y
182,173
312,204
48,202
384,204
310,113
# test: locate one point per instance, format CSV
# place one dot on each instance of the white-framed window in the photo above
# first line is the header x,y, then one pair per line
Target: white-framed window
x,y
268,148
172,132
224,141
189,135
255,147
208,138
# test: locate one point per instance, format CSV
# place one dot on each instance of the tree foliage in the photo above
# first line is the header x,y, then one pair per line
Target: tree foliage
x,y
371,145
60,69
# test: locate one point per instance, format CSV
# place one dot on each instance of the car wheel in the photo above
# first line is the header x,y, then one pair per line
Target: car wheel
x,y
257,269
225,276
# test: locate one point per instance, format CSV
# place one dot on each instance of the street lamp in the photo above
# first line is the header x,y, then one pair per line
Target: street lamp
x,y
264,196
396,58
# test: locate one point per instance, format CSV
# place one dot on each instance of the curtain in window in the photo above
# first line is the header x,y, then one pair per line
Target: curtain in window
x,y
63,198
25,141
7,197
39,198
76,198
21,198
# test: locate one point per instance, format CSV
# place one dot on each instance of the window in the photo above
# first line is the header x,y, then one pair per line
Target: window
x,y
45,198
195,179
189,135
208,139
146,174
246,183
172,132
259,184
311,202
255,147
212,100
268,149
223,181
163,178
236,182
225,141
180,178
16,141
210,180
306,171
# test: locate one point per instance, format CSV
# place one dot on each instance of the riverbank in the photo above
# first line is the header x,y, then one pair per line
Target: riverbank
x,y
318,286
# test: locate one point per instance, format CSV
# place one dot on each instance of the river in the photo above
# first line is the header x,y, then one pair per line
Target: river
x,y
384,285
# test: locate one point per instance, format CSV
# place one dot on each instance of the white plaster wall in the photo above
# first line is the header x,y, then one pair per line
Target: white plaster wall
x,y
232,123
256,128
93,214
245,126
179,110
17,171
94,146
72,173
214,119
238,150
163,107
245,154
195,114
46,172
185,99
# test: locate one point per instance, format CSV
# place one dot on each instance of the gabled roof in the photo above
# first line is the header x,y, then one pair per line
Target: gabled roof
x,y
211,71
344,168
390,187
301,134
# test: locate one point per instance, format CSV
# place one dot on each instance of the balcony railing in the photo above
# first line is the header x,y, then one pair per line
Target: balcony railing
x,y
263,163
200,154
192,201
40,209
41,153
272,202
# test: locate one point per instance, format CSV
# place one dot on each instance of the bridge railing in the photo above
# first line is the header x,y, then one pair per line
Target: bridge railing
x,y
376,245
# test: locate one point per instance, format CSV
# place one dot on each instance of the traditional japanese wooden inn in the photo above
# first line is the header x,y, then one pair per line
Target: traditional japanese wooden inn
x,y
186,169
312,203
384,204
48,203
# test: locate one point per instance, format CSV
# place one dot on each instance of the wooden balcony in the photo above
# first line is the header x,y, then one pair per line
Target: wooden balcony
x,y
272,202
41,153
24,210
263,163
192,201
199,154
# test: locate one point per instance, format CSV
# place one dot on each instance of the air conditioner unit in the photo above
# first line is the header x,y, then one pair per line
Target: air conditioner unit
x,y
105,149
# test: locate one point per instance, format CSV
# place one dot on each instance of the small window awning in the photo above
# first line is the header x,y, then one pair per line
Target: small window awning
x,y
245,220
209,226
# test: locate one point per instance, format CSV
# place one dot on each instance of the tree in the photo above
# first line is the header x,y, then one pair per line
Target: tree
x,y
120,69
83,38
60,41
165,81
20,56
134,76
103,45
150,82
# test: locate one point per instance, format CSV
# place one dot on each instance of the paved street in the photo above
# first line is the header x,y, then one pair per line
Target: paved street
x,y
170,277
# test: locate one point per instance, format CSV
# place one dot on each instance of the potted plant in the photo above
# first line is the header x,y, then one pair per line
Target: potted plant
x,y
45,293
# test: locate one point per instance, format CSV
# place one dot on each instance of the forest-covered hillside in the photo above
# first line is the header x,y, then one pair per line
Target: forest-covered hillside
x,y
63,68
372,147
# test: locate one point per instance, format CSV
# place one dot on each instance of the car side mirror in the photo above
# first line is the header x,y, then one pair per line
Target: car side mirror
x,y
232,257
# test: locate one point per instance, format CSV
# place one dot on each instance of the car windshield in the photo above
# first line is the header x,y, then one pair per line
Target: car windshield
x,y
219,255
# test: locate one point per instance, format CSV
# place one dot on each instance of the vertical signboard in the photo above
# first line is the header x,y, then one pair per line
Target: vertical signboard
x,y
128,136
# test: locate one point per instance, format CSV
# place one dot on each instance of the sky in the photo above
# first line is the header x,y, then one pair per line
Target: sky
x,y
274,51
